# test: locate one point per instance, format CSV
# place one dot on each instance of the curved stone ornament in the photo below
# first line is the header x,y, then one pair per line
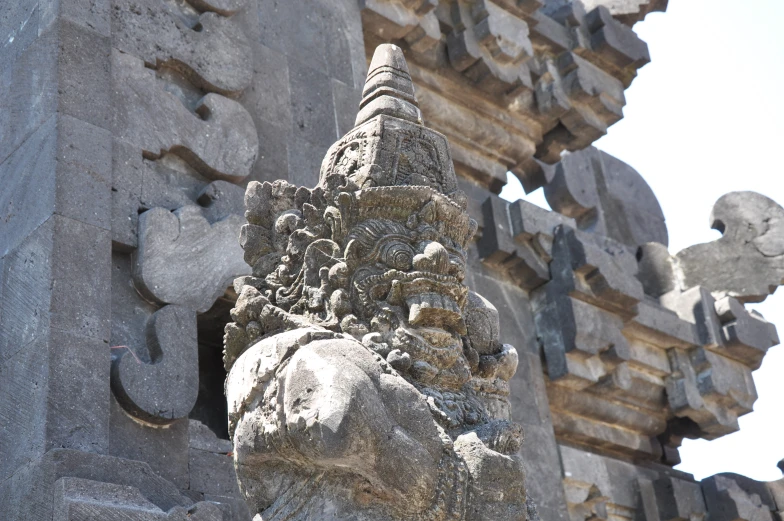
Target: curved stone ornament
x,y
183,259
219,140
215,57
747,262
162,388
606,197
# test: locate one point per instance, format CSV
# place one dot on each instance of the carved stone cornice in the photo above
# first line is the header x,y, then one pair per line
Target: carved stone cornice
x,y
548,76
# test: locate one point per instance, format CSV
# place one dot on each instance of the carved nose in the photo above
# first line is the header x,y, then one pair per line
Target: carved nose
x,y
434,259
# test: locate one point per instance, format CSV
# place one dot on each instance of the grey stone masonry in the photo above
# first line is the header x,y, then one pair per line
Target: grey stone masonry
x,y
130,132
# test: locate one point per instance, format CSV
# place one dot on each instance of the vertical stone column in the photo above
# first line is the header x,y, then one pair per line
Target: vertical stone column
x,y
55,246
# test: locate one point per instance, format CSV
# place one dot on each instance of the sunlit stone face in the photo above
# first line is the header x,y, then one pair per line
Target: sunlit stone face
x,y
409,281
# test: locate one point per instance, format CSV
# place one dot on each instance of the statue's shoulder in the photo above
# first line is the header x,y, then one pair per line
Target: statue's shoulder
x,y
258,364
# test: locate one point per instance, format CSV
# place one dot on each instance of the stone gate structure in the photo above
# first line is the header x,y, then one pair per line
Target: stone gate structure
x,y
129,131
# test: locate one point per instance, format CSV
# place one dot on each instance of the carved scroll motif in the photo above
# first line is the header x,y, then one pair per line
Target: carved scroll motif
x,y
161,388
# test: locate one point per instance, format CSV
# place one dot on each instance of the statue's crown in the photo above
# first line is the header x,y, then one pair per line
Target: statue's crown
x,y
389,145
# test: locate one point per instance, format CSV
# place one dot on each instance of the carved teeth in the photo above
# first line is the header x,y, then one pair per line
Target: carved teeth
x,y
434,310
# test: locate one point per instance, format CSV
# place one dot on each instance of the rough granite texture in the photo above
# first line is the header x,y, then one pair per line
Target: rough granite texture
x,y
129,133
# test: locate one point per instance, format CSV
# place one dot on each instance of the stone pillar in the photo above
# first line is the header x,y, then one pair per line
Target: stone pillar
x,y
55,243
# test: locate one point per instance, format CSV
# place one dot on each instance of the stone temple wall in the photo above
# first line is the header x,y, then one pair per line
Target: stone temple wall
x,y
128,131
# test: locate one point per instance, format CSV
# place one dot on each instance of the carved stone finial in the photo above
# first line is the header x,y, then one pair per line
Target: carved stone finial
x,y
390,147
388,88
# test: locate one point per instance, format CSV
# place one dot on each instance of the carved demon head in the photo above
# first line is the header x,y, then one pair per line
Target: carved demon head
x,y
376,250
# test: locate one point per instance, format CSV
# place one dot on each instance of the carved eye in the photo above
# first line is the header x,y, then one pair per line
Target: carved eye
x,y
457,266
398,255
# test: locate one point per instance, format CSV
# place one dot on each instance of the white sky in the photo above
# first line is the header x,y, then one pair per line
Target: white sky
x,y
704,118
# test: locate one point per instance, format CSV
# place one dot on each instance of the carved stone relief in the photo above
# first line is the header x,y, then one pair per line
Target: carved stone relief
x,y
208,48
184,259
180,141
161,388
362,372
550,74
747,262
158,122
619,333
606,197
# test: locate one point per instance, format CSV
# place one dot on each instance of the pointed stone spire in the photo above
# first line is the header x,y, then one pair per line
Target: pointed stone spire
x,y
388,88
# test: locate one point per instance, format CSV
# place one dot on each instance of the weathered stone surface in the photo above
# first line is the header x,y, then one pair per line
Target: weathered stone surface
x,y
776,489
579,101
733,497
491,47
202,438
218,139
233,508
311,105
19,29
557,64
613,44
83,173
224,7
710,390
29,84
366,255
747,262
164,449
607,197
160,389
676,499
78,499
64,161
510,83
36,482
517,239
413,21
657,270
221,199
746,336
628,11
53,358
711,384
212,473
599,487
521,260
23,388
580,316
611,353
325,35
169,244
208,48
27,198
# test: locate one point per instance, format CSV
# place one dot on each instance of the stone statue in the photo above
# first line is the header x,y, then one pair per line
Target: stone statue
x,y
366,382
